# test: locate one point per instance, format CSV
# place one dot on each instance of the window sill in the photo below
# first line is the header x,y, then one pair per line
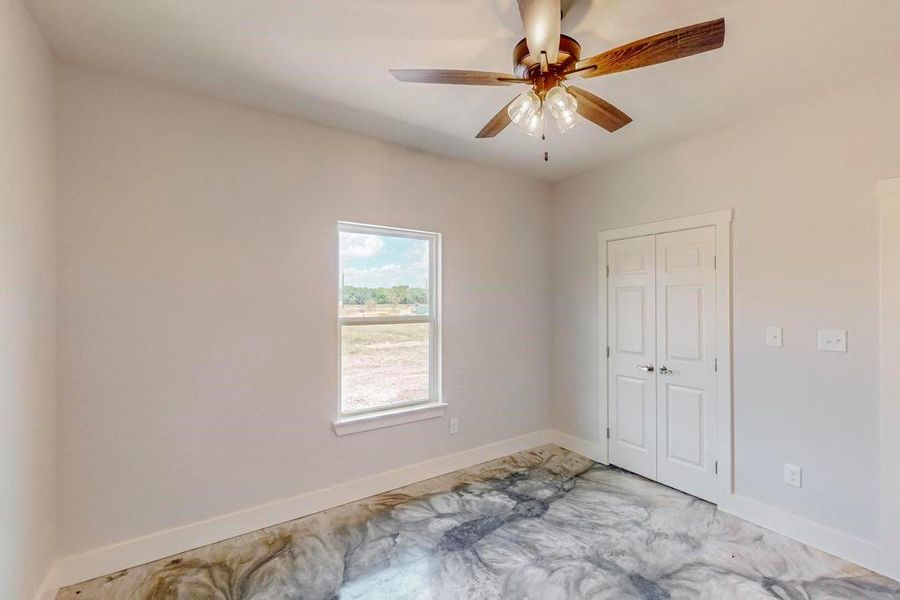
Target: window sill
x,y
389,418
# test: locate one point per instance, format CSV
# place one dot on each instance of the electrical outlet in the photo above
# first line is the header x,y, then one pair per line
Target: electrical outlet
x,y
793,475
454,425
774,337
833,340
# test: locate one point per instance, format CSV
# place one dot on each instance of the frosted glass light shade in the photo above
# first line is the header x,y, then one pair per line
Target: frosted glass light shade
x,y
565,123
561,104
524,108
534,126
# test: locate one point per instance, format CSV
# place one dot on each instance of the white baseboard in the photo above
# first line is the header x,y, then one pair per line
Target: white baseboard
x,y
833,541
130,553
591,450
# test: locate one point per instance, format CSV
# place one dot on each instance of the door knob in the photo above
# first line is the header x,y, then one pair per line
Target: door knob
x,y
647,368
664,370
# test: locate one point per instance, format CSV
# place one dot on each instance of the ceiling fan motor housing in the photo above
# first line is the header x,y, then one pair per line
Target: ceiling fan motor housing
x,y
528,67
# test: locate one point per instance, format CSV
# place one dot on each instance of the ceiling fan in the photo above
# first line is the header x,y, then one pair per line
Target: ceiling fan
x,y
546,58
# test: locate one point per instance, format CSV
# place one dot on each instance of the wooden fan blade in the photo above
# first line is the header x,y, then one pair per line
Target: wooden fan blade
x,y
542,22
452,76
656,49
599,111
497,123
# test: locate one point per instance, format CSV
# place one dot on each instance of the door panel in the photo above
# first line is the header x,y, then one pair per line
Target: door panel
x,y
631,305
632,340
685,425
685,341
631,411
684,335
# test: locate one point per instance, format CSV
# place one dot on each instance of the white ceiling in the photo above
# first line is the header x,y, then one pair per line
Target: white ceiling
x,y
328,60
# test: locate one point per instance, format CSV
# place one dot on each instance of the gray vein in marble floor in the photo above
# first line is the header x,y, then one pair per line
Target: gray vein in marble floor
x,y
544,524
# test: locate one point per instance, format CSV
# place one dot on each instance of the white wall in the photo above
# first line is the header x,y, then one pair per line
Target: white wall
x,y
197,283
27,273
889,244
197,261
805,256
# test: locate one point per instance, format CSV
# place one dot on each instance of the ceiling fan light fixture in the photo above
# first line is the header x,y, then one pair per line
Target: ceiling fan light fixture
x,y
523,109
534,126
561,104
565,123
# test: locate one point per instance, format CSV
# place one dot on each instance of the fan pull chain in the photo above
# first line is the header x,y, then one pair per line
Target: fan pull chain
x,y
546,154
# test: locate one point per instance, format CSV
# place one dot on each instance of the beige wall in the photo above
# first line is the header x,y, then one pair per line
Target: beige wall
x,y
197,282
805,256
27,258
197,259
889,246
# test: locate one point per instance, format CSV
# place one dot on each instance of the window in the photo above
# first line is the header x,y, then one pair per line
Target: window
x,y
389,325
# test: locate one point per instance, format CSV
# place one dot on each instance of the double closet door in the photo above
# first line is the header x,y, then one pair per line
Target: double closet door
x,y
662,358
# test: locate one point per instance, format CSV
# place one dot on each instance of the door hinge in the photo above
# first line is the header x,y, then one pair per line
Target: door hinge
x,y
607,270
607,352
716,365
715,262
717,467
607,433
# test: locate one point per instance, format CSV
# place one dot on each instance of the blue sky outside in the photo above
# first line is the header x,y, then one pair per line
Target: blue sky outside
x,y
369,260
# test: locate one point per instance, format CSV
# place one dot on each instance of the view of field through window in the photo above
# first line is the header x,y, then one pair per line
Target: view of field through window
x,y
386,363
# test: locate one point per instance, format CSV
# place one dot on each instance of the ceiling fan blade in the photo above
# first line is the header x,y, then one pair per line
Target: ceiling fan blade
x,y
541,20
599,111
497,123
453,76
659,48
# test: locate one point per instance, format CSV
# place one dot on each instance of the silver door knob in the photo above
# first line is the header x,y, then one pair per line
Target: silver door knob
x,y
647,368
664,370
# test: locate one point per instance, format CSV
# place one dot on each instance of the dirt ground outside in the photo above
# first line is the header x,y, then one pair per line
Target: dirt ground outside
x,y
383,364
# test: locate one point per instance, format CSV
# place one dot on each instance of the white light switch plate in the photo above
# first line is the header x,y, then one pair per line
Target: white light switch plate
x,y
833,340
454,426
774,338
793,475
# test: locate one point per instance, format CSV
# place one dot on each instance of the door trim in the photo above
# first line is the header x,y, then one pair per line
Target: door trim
x,y
721,220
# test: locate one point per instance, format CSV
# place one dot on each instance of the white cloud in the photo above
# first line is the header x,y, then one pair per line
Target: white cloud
x,y
376,261
360,245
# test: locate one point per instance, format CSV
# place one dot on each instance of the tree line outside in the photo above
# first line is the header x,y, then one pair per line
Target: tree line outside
x,y
398,294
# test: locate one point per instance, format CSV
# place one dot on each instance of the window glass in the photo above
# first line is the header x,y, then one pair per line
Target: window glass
x,y
383,365
383,275
388,320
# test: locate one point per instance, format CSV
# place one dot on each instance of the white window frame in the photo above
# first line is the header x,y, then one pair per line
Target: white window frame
x,y
414,410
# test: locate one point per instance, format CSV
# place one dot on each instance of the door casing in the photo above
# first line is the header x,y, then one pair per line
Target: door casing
x,y
721,220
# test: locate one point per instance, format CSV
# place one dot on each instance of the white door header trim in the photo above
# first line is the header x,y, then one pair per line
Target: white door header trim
x,y
719,217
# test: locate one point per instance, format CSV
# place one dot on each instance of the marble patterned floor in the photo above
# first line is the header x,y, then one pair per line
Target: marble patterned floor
x,y
543,524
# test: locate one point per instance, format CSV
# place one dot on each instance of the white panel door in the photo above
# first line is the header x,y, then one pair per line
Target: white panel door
x,y
632,341
685,360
